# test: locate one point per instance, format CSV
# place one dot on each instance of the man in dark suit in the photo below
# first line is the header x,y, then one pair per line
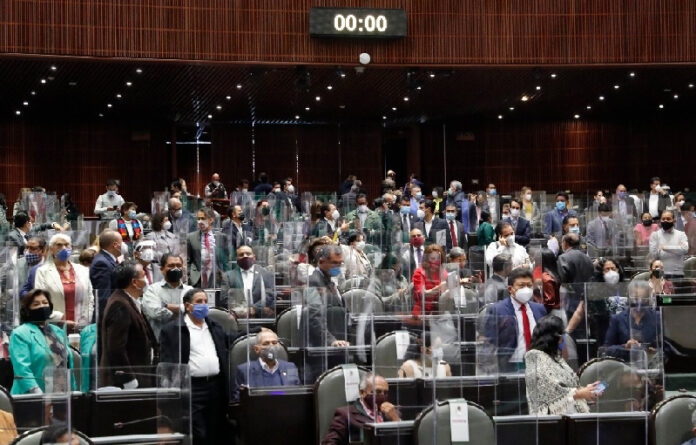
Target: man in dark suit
x,y
510,322
496,288
268,370
407,220
127,341
103,265
181,219
372,406
248,289
24,230
208,256
196,340
523,230
625,206
430,225
412,254
237,230
455,233
656,200
574,266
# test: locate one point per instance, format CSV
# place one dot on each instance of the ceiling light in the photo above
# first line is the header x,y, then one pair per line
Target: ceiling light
x,y
139,70
393,108
632,74
33,93
239,86
318,98
691,85
419,87
25,103
524,98
589,107
538,87
676,96
128,84
219,107
43,80
342,107
101,114
210,116
329,87
511,108
576,116
18,112
500,116
406,99
109,105
432,75
553,75
72,83
306,108
601,97
660,106
228,97
384,118
118,96
297,117
343,75
616,87
54,68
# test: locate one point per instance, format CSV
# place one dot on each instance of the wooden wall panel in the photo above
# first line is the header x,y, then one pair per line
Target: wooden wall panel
x,y
442,32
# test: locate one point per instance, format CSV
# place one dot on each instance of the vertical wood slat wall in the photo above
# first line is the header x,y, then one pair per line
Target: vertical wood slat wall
x,y
448,32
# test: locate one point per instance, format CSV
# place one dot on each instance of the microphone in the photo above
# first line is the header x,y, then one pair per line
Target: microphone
x,y
121,425
121,373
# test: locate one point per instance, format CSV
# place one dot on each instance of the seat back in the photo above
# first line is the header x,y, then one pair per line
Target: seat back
x,y
33,437
77,366
222,317
620,393
427,431
329,394
386,362
360,301
5,400
690,268
641,276
238,352
289,330
671,420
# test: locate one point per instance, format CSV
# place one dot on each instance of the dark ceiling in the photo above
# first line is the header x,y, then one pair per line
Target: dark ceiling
x,y
188,94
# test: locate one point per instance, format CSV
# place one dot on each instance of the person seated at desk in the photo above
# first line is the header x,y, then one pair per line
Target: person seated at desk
x,y
634,327
268,370
692,441
347,423
36,345
59,433
552,386
510,322
657,281
423,366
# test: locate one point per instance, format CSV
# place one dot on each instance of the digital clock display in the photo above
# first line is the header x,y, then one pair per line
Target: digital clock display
x,y
357,22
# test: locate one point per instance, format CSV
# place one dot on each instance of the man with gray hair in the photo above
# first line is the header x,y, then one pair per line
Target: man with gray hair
x,y
372,406
181,219
207,252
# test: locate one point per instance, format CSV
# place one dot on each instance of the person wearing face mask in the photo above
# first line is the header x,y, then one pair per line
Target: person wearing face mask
x,y
68,283
34,254
530,210
268,369
625,205
198,341
492,204
601,232
207,252
407,219
182,222
365,220
429,281
215,189
506,244
127,341
553,220
373,406
521,226
145,254
430,363
356,263
657,281
25,229
656,200
635,327
162,299
430,224
553,388
237,230
36,345
454,230
104,263
391,286
670,246
510,322
644,229
413,253
128,226
248,289
329,224
109,203
165,241
485,232
416,198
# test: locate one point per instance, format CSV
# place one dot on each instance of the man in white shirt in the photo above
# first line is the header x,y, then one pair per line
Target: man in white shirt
x,y
201,343
670,246
109,204
656,200
506,244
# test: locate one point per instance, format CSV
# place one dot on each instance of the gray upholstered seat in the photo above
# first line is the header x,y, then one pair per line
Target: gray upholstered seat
x,y
671,420
360,301
386,363
33,437
222,317
481,426
621,393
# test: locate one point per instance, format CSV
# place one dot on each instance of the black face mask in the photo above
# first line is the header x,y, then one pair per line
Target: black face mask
x,y
40,314
666,225
174,275
647,222
658,273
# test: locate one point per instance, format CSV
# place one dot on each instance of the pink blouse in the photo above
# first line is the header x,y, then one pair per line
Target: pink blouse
x,y
645,233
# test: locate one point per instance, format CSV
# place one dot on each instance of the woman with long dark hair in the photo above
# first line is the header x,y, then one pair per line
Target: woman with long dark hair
x,y
553,388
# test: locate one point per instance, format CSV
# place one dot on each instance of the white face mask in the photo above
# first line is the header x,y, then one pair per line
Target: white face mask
x,y
335,215
611,277
434,194
203,224
124,249
524,295
515,212
510,240
147,255
244,190
680,203
167,225
528,196
360,245
362,208
420,214
291,190
178,213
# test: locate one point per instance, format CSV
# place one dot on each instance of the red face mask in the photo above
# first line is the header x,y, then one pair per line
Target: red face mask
x,y
376,401
417,241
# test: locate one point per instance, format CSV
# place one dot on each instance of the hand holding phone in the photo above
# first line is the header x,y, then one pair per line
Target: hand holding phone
x,y
599,389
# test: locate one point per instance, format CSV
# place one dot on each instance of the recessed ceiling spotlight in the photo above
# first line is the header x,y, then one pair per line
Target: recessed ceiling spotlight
x,y
306,108
632,74
393,108
128,84
660,106
219,107
17,112
553,75
329,87
500,116
406,99
210,116
676,96
33,93
101,114
524,98
297,117
343,75
43,80
118,96
538,87
419,87
139,70
576,116
342,106
589,107
239,86
601,97
318,98
691,85
616,87
432,75
25,103
109,105
54,68
511,108
384,118
228,97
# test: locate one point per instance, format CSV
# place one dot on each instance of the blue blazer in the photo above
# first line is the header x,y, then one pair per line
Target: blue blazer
x,y
619,332
30,355
522,232
100,276
501,327
553,221
289,376
29,285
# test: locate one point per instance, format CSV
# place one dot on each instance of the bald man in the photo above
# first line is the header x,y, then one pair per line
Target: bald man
x,y
103,264
215,189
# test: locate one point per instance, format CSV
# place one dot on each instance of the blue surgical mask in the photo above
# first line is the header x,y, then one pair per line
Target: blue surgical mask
x,y
560,205
335,271
32,258
405,210
200,311
574,229
132,214
64,254
622,195
419,195
492,192
450,216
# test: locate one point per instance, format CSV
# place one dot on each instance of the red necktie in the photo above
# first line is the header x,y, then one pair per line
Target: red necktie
x,y
525,324
207,261
454,237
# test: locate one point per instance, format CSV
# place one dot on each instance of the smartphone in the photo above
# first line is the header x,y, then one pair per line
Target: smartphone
x,y
601,387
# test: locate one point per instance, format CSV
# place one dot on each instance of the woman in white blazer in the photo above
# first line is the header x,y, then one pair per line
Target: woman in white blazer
x,y
68,283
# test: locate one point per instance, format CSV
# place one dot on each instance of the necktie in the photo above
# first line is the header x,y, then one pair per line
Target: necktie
x,y
420,256
405,223
525,324
207,260
453,234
